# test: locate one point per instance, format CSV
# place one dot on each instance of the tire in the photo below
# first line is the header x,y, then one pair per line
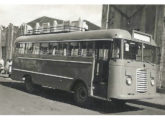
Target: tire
x,y
81,95
29,86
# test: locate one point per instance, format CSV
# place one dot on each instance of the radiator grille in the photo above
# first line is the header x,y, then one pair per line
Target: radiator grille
x,y
141,80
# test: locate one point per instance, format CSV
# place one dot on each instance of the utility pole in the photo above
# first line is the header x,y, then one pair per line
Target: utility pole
x,y
1,42
107,21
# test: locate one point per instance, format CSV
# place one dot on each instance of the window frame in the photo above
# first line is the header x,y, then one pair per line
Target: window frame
x,y
123,47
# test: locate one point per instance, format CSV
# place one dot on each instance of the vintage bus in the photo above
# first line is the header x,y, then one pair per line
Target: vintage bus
x,y
106,64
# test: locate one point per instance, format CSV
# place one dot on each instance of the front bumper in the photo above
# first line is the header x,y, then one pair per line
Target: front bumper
x,y
137,97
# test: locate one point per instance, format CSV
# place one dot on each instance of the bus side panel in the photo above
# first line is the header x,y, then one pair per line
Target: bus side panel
x,y
116,78
17,75
44,72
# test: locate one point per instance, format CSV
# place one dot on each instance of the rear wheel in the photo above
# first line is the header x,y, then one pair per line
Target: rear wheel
x,y
30,87
81,94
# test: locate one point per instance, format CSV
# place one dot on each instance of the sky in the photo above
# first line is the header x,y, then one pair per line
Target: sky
x,y
18,14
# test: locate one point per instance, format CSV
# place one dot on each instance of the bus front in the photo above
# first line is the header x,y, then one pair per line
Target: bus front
x,y
134,72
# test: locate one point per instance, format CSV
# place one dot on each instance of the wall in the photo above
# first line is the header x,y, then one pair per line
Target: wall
x,y
146,18
7,37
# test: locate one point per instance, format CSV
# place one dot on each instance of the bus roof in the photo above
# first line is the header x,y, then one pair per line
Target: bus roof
x,y
87,35
92,35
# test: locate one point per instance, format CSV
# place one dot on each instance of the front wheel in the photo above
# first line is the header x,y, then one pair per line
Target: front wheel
x,y
81,94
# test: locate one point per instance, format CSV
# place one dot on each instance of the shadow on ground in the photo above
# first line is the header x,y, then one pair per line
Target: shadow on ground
x,y
65,97
158,106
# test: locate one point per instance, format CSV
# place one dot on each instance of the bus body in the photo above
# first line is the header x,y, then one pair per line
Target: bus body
x,y
111,64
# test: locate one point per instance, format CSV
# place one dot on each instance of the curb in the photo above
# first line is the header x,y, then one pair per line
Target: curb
x,y
4,75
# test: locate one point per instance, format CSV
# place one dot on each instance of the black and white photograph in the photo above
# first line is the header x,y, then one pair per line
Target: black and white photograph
x,y
82,59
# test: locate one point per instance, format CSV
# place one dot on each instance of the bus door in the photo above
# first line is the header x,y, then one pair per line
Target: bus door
x,y
100,82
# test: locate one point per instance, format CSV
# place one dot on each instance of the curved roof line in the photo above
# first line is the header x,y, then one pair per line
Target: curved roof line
x,y
93,34
87,35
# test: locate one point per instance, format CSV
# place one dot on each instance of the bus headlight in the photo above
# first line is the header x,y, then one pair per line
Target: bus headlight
x,y
152,82
129,80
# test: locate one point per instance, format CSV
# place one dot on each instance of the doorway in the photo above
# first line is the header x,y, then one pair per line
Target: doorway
x,y
101,72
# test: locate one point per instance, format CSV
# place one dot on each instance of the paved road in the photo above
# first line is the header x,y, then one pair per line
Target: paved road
x,y
15,100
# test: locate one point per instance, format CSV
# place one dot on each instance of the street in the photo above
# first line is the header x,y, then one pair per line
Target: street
x,y
14,100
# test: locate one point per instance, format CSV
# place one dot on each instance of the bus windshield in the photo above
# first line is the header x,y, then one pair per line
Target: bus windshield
x,y
150,54
132,50
116,49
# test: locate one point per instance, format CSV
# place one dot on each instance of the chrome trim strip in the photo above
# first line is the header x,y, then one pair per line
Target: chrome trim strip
x,y
141,80
42,73
104,39
83,62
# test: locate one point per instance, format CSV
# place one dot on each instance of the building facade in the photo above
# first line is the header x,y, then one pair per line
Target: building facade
x,y
7,37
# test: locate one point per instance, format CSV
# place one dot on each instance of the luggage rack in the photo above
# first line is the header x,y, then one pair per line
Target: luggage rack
x,y
51,30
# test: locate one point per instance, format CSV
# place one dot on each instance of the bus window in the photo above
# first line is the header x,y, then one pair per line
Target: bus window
x,y
44,49
61,50
29,48
53,48
106,50
116,49
149,53
102,49
36,48
83,50
17,46
90,49
20,48
132,50
68,49
65,49
74,48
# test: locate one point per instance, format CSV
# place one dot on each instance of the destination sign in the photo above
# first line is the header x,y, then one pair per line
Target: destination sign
x,y
142,36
